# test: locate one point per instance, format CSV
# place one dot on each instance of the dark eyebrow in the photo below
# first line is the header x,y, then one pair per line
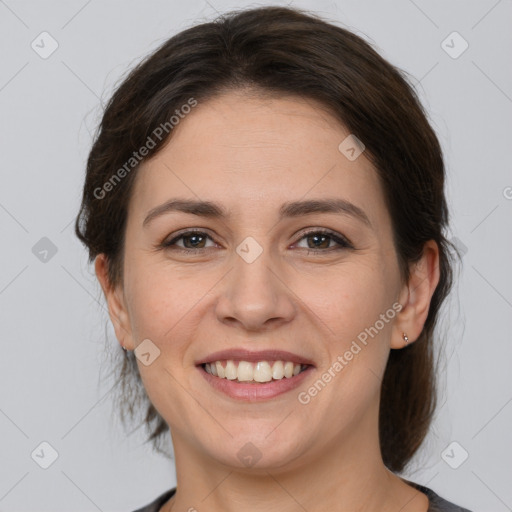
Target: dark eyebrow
x,y
290,209
201,208
334,205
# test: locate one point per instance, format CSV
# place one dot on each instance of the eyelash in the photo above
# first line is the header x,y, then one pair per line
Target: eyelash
x,y
342,242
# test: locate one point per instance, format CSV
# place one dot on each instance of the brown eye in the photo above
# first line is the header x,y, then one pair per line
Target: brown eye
x,y
321,239
192,240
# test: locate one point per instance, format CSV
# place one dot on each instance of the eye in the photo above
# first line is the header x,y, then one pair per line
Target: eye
x,y
193,240
321,239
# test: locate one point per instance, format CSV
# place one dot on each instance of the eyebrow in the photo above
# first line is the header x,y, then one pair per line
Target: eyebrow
x,y
287,210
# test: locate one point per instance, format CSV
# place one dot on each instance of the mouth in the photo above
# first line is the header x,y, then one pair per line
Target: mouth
x,y
254,376
253,372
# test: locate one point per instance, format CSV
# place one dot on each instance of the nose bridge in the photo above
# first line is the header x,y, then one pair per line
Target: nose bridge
x,y
254,292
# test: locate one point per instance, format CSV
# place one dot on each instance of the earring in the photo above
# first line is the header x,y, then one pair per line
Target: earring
x,y
124,348
405,338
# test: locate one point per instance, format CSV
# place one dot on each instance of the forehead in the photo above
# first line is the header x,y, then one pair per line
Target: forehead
x,y
253,153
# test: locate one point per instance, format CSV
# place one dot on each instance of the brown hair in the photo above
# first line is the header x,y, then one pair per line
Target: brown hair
x,y
287,51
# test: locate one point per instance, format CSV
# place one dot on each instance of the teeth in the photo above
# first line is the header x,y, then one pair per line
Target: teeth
x,y
278,370
245,371
261,371
288,369
218,368
230,370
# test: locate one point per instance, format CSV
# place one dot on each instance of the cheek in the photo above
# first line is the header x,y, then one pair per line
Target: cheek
x,y
354,335
356,341
162,301
346,300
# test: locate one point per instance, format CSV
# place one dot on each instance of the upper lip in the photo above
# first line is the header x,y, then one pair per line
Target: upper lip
x,y
239,354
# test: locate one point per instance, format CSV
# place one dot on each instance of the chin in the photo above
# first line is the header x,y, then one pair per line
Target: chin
x,y
259,453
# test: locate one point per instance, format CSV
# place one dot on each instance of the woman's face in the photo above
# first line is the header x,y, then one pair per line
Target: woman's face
x,y
261,278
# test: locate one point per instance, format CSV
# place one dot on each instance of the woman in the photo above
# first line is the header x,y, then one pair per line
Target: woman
x,y
264,203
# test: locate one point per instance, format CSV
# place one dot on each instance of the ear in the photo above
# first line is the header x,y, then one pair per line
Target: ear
x,y
416,295
116,304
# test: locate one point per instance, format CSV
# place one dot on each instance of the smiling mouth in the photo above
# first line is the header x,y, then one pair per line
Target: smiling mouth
x,y
254,372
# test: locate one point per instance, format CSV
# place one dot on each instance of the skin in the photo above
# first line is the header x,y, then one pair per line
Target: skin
x,y
251,153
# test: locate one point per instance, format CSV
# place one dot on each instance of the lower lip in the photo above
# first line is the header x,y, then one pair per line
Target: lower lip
x,y
255,392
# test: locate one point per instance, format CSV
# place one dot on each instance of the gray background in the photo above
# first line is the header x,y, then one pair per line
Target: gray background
x,y
52,318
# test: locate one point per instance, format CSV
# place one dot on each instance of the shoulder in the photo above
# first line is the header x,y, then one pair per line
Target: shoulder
x,y
155,505
436,502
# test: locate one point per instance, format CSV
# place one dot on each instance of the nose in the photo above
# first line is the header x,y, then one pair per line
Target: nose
x,y
255,296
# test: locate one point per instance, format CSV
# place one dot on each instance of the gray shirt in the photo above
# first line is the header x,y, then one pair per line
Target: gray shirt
x,y
437,504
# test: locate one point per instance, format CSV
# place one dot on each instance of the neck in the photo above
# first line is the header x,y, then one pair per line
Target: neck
x,y
342,475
